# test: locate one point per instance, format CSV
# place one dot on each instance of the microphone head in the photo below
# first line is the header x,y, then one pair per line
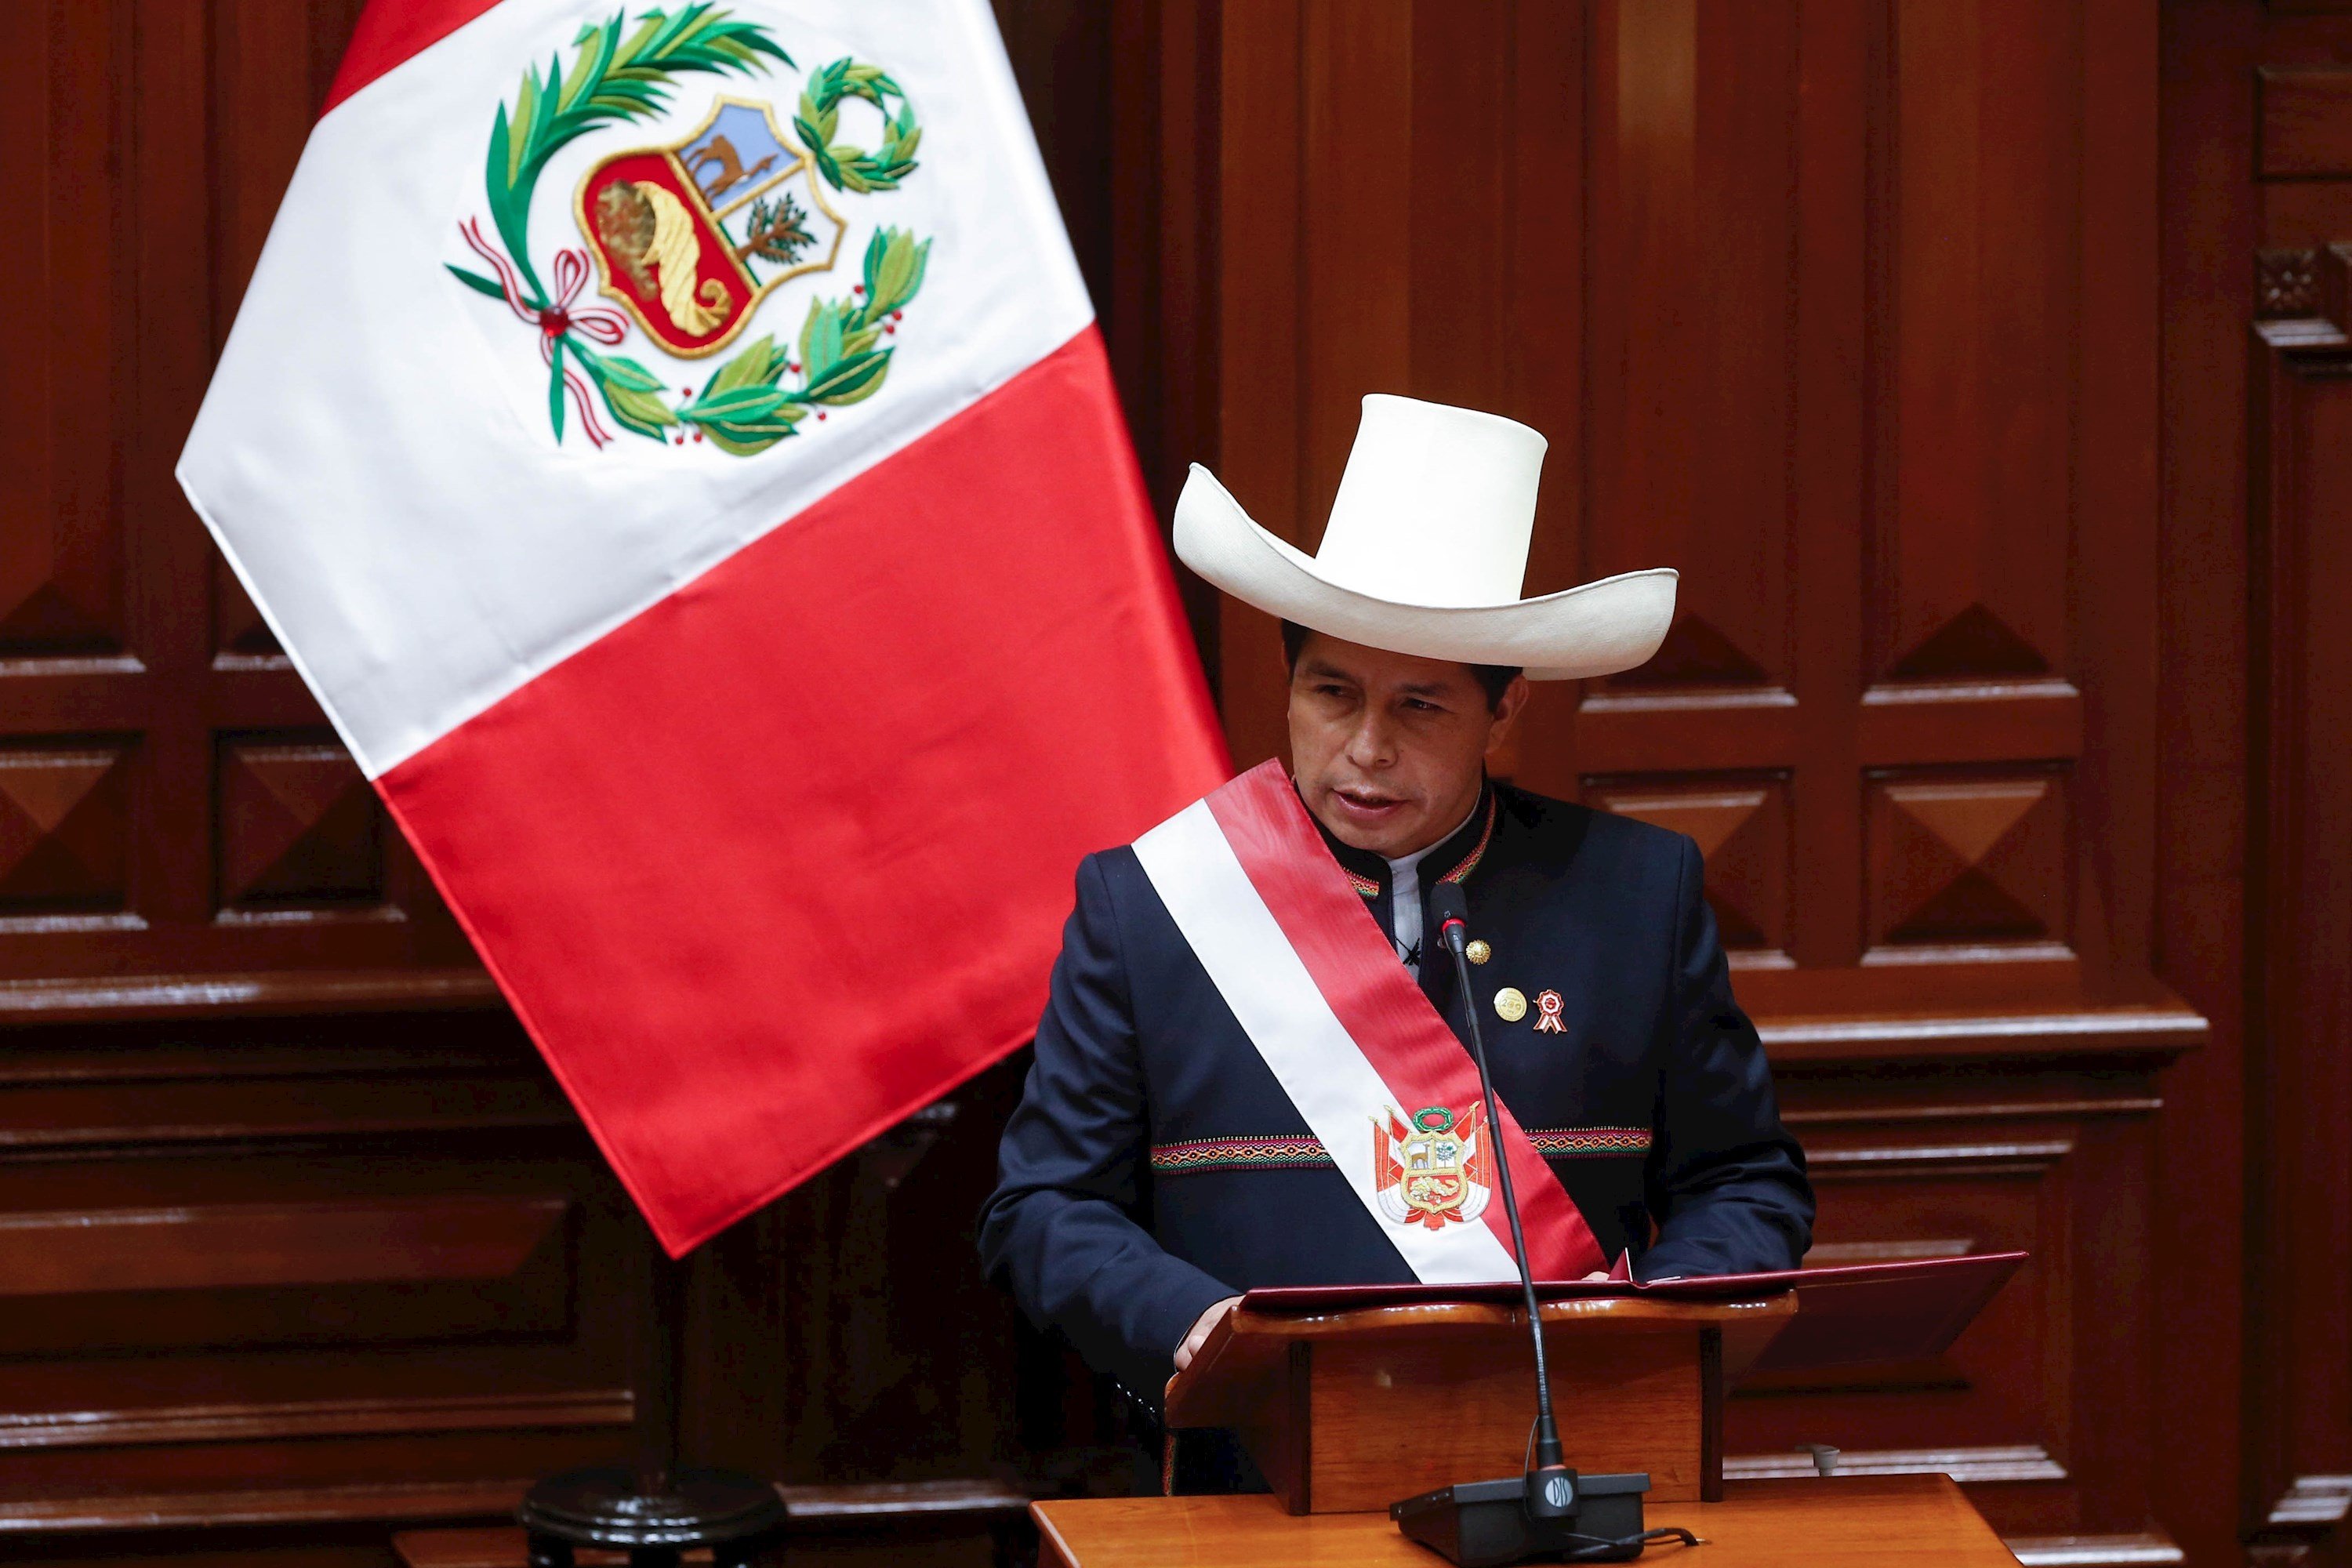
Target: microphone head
x,y
1448,903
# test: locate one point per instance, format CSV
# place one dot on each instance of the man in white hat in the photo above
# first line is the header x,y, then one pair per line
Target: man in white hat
x,y
1252,1070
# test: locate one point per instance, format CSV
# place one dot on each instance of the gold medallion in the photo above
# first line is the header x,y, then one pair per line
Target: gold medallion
x,y
1510,1005
1477,952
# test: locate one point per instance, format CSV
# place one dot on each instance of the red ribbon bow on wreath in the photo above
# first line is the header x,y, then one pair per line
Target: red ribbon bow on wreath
x,y
554,319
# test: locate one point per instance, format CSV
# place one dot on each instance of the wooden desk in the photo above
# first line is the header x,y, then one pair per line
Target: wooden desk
x,y
1853,1521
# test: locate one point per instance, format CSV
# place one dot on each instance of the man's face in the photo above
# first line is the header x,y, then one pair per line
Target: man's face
x,y
1390,750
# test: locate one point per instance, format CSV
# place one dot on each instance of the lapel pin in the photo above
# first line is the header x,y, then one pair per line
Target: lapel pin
x,y
1547,1007
1510,1005
1478,952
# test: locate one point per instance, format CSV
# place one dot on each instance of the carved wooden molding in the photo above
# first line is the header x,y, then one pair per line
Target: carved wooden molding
x,y
100,999
1994,1154
2301,685
2148,1546
259,1422
223,1247
2307,1524
2286,284
1991,1462
397,1502
2162,1031
2304,298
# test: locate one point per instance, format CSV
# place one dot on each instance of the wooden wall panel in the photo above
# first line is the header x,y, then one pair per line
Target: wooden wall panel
x,y
2252,1169
1968,546
347,1258
1742,824
2301,916
1692,320
171,803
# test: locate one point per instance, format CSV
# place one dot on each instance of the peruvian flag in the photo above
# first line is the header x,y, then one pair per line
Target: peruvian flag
x,y
675,445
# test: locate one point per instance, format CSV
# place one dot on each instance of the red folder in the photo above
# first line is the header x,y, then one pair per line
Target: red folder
x,y
1869,1312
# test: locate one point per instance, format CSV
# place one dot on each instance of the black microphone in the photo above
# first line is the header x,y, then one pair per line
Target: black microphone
x,y
1480,1523
1551,1485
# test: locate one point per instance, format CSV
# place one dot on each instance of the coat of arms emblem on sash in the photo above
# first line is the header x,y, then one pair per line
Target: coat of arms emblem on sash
x,y
691,237
1432,1168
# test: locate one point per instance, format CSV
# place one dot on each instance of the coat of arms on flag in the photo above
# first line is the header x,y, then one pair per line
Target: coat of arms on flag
x,y
1432,1168
691,238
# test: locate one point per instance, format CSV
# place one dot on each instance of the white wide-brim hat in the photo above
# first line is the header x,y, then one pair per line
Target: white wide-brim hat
x,y
1427,553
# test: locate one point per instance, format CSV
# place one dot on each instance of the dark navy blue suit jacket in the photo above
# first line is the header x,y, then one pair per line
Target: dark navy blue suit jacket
x,y
1155,1165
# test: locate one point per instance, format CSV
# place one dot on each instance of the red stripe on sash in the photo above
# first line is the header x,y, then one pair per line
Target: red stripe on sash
x,y
1384,1012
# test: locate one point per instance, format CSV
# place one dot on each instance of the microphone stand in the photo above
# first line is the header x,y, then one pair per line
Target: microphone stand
x,y
1551,1486
1550,1511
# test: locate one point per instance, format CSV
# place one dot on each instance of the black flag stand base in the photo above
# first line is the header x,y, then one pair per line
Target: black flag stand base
x,y
731,1514
653,1509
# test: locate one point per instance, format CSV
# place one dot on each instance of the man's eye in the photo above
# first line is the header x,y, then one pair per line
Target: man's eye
x,y
1415,703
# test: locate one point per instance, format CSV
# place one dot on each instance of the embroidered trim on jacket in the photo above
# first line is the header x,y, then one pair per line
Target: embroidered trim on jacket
x,y
1485,835
1238,1153
1308,1153
1367,887
1578,1142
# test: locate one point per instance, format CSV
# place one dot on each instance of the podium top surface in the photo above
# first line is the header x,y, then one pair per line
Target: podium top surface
x,y
1843,1521
1833,1317
1251,1345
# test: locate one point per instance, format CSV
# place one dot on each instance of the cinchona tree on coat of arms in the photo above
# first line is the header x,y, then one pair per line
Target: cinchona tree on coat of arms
x,y
689,238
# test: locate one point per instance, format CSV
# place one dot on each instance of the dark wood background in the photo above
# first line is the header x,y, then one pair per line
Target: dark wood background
x,y
1981,363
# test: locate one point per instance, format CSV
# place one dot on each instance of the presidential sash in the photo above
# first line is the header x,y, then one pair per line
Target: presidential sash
x,y
1353,1041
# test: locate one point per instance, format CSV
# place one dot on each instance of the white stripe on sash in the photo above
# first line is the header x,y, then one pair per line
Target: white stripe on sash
x,y
1283,1012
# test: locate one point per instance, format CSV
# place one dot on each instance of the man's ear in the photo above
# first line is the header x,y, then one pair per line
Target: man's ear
x,y
1507,712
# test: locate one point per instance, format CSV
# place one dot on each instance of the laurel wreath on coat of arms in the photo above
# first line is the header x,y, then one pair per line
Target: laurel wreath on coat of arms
x,y
655,220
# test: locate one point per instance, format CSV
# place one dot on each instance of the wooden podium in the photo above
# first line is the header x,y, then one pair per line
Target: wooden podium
x,y
1347,1411
1351,1398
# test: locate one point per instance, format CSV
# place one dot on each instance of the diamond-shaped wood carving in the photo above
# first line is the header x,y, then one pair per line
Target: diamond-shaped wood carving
x,y
1695,653
236,624
1741,824
41,617
1963,859
61,570
64,828
299,826
1975,642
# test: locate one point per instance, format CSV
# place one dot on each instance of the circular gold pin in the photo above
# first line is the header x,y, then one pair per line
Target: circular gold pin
x,y
1477,952
1510,1005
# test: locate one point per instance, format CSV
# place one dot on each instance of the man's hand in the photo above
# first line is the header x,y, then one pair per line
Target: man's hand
x,y
1199,1334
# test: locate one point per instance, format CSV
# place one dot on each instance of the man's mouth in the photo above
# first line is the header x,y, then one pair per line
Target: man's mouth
x,y
1366,805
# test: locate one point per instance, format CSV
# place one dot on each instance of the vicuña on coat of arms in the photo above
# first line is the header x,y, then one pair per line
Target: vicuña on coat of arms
x,y
689,238
1432,1168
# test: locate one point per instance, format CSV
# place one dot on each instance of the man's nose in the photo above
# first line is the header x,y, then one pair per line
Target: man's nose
x,y
1373,745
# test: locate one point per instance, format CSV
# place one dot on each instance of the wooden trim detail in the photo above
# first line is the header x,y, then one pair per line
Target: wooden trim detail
x,y
1302,1423
109,999
1710,1414
394,1502
2150,1546
1996,1462
2160,1030
2305,1524
321,1418
219,1246
2286,283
